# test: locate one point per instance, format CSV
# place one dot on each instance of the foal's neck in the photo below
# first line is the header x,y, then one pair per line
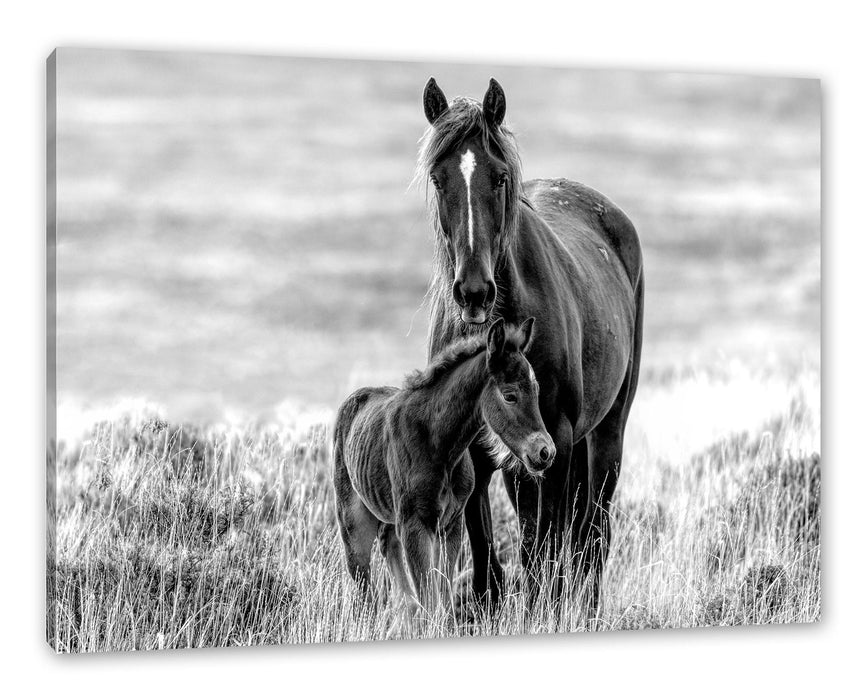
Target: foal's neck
x,y
455,406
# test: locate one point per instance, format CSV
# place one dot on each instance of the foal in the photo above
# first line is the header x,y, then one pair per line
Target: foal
x,y
401,473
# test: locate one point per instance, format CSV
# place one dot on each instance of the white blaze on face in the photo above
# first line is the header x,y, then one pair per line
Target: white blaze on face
x,y
467,167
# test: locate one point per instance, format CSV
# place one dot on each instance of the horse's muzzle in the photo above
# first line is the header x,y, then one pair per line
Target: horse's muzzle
x,y
475,297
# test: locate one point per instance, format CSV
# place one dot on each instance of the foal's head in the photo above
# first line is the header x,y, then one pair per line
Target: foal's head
x,y
510,400
470,159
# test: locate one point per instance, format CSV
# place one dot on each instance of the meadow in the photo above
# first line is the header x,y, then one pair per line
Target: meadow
x,y
172,536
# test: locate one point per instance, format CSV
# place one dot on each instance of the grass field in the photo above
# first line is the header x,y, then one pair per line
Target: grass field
x,y
170,536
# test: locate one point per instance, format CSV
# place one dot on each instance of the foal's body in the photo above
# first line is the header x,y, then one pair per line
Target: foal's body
x,y
393,483
401,473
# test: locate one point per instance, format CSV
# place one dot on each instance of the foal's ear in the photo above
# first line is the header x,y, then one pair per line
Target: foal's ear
x,y
435,104
494,104
526,332
496,339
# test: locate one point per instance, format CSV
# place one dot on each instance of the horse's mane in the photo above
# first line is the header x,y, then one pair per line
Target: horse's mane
x,y
465,118
455,354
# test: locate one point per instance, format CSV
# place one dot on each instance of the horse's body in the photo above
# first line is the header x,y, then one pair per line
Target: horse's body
x,y
572,259
400,470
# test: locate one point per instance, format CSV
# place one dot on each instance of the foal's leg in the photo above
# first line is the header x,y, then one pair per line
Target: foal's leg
x,y
418,541
392,551
487,576
453,540
358,529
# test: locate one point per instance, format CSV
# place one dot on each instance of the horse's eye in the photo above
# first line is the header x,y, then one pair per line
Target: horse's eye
x,y
502,180
435,182
509,397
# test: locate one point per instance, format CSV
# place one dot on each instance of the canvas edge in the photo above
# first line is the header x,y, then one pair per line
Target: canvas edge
x,y
50,345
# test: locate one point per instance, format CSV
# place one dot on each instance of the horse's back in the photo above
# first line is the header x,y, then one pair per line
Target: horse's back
x,y
595,275
562,202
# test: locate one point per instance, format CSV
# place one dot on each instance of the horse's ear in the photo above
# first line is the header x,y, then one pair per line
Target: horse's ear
x,y
526,331
496,339
435,104
494,104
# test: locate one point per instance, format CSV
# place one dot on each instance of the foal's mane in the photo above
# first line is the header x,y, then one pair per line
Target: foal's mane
x,y
463,119
455,354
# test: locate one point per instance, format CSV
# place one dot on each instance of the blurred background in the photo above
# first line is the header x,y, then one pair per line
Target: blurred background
x,y
237,235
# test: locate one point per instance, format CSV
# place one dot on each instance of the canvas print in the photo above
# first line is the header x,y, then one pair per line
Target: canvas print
x,y
365,350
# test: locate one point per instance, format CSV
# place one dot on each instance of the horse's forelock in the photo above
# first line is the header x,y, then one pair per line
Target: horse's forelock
x,y
465,118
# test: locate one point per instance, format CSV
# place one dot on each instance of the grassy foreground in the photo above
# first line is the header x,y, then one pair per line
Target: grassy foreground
x,y
173,536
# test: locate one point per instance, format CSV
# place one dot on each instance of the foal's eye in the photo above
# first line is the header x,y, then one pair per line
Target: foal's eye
x,y
509,397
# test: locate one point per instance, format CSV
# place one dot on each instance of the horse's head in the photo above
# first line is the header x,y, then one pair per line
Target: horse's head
x,y
510,401
471,161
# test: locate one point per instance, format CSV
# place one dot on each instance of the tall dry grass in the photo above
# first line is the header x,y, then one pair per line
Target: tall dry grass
x,y
177,536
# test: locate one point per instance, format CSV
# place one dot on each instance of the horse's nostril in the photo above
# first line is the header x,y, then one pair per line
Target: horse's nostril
x,y
544,454
458,294
490,297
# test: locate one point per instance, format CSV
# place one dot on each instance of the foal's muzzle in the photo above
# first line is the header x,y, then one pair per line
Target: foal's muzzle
x,y
540,453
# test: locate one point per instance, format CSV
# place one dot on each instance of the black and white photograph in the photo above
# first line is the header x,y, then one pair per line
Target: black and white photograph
x,y
350,350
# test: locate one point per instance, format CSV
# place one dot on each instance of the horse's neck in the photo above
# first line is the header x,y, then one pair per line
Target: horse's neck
x,y
456,404
508,275
522,250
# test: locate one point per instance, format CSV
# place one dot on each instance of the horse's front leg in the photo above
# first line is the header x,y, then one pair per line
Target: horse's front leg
x,y
605,453
605,444
541,510
487,575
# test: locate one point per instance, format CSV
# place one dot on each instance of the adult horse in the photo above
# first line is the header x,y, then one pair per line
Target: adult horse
x,y
565,254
